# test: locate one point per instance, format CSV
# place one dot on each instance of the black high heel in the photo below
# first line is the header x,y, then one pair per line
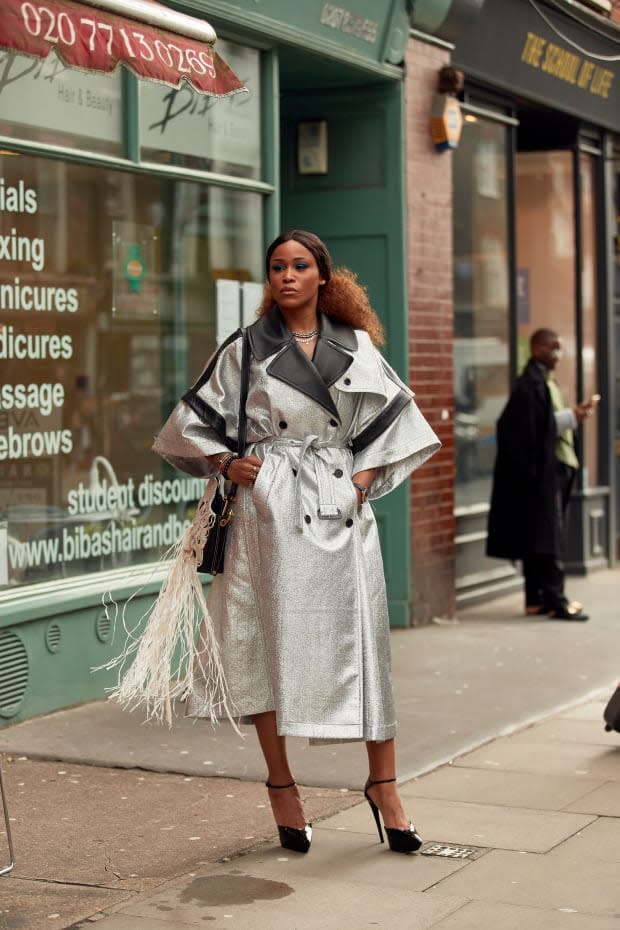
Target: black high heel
x,y
293,838
403,841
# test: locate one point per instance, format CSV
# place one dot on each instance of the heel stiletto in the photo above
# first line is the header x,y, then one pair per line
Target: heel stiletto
x,y
298,840
403,841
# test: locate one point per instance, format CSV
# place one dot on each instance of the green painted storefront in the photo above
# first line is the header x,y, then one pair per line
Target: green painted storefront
x,y
314,63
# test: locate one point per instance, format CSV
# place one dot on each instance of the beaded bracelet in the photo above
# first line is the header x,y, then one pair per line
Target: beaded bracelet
x,y
224,462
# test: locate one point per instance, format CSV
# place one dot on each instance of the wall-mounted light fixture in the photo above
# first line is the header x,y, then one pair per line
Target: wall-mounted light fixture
x,y
446,118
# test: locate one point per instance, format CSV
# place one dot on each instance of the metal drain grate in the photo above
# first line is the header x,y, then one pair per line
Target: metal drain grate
x,y
451,851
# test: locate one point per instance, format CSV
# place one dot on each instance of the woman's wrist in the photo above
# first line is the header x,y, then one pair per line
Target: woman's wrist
x,y
362,481
223,463
363,490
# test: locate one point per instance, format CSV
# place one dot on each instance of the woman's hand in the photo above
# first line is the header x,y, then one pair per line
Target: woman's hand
x,y
365,479
244,470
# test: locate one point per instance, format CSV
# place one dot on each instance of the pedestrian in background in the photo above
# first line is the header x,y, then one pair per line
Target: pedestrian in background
x,y
535,470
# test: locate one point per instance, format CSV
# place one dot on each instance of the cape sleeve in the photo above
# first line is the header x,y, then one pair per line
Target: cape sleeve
x,y
205,421
391,436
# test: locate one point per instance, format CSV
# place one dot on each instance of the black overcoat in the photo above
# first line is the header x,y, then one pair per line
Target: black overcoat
x,y
523,515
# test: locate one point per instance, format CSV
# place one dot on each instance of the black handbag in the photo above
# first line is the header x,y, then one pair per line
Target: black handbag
x,y
223,505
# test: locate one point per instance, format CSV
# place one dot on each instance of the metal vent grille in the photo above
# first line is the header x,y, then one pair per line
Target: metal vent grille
x,y
13,673
103,627
53,637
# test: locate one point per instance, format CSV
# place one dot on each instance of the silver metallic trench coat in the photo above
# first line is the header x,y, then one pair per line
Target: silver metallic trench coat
x,y
300,611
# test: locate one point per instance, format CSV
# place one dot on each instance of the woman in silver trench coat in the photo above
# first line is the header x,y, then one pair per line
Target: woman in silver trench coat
x,y
300,612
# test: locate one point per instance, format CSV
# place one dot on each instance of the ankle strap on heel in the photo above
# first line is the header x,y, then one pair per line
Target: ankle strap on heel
x,y
290,785
381,781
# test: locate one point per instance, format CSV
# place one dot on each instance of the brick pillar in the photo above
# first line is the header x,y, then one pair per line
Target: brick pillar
x,y
429,209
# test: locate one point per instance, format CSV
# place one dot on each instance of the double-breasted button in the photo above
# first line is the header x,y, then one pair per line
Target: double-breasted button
x,y
347,381
338,473
308,518
283,424
333,422
349,522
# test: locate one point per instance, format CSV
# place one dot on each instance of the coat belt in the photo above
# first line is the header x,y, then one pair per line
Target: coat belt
x,y
327,509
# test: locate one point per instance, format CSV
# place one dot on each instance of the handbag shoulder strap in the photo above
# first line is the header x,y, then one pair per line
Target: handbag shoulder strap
x,y
243,395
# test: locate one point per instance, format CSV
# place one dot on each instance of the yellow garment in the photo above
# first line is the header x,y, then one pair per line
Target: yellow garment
x,y
564,442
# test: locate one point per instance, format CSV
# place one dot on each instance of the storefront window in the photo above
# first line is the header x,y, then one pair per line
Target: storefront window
x,y
481,304
183,128
546,258
114,289
45,101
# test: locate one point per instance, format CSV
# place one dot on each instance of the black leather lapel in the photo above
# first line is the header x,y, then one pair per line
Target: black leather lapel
x,y
268,334
293,367
330,361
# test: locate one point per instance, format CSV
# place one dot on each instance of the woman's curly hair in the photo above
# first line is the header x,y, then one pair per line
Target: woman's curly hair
x,y
341,297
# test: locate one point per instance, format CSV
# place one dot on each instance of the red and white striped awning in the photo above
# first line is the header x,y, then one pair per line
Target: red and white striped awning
x,y
155,42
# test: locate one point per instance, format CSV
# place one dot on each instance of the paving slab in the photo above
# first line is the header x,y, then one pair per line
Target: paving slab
x,y
568,730
482,915
531,880
512,789
546,758
477,824
604,800
339,855
600,841
234,896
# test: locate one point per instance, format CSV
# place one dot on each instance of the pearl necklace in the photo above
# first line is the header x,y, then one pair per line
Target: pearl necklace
x,y
306,337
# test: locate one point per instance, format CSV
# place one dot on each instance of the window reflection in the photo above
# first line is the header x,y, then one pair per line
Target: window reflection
x,y
547,259
102,328
481,301
184,128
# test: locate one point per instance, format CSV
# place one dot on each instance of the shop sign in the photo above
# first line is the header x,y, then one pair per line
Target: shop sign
x,y
95,39
536,52
372,29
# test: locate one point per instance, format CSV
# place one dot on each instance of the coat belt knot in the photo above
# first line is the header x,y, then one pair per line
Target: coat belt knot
x,y
310,455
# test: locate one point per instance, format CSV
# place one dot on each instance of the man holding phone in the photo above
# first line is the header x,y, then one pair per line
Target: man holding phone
x,y
534,474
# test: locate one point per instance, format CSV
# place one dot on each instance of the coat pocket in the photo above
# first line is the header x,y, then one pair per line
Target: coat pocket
x,y
265,482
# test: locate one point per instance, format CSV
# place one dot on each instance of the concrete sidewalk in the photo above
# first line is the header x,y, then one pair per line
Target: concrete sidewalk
x,y
504,759
524,832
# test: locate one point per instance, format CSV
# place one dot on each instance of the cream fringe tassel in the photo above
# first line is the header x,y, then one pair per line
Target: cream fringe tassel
x,y
168,657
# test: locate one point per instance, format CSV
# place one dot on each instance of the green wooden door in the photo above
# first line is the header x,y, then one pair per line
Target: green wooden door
x,y
357,208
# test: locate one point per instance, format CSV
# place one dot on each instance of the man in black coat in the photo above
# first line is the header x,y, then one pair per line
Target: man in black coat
x,y
534,473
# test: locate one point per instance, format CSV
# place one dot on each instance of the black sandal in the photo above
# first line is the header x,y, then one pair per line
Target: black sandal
x,y
403,841
298,840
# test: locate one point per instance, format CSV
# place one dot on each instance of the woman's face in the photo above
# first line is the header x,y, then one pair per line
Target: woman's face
x,y
294,278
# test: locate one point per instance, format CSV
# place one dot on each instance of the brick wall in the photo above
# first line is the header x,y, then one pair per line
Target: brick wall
x,y
429,207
